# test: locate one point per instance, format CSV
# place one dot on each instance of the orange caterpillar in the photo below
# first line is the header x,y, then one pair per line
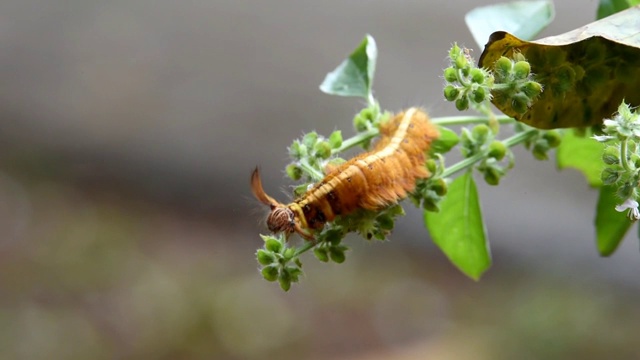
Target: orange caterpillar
x,y
372,180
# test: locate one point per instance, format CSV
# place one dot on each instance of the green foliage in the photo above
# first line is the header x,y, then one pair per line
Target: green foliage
x,y
611,225
610,7
583,154
458,228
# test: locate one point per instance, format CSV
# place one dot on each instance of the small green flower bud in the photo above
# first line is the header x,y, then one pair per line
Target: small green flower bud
x,y
503,66
360,123
480,133
610,176
270,273
521,70
321,254
540,150
451,92
611,155
532,89
497,150
492,176
450,74
553,137
285,281
334,236
294,172
385,222
478,95
465,71
477,75
439,186
455,52
431,166
335,139
294,272
337,255
430,205
322,149
462,103
265,257
625,191
297,150
310,139
520,103
289,253
461,62
273,245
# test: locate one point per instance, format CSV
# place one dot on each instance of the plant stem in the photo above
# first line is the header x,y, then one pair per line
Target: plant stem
x,y
461,120
308,245
509,142
306,167
356,140
623,155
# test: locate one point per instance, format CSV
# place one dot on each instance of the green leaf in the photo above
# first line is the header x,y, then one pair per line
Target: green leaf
x,y
583,154
611,225
458,228
354,77
447,140
523,19
610,7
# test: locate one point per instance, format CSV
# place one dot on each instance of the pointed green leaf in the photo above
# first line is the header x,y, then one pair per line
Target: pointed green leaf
x,y
611,225
610,7
583,154
523,19
354,77
458,228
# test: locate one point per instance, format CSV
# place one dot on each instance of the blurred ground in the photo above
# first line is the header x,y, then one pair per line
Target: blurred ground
x,y
128,132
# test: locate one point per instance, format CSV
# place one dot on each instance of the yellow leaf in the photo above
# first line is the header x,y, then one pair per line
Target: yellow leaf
x,y
585,73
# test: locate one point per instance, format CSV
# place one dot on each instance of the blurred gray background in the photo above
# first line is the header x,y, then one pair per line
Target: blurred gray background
x,y
128,132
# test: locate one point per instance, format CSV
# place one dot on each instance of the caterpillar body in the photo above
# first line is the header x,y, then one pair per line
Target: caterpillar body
x,y
372,180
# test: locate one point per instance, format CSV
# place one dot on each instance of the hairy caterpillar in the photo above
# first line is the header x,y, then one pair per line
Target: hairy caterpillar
x,y
372,180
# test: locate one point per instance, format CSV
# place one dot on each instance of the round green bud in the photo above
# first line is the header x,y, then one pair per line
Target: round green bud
x,y
492,176
455,52
553,137
270,273
360,123
430,205
609,176
310,139
321,254
461,62
322,149
439,186
635,159
265,257
540,150
294,172
337,255
431,166
625,191
532,89
297,150
497,150
451,92
450,74
480,133
289,253
465,71
335,139
611,155
333,236
462,103
273,245
285,281
385,222
479,95
477,75
521,70
520,103
503,66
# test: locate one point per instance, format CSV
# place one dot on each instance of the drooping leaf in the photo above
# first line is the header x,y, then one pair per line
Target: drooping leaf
x,y
610,7
586,73
611,225
458,228
523,19
354,77
583,154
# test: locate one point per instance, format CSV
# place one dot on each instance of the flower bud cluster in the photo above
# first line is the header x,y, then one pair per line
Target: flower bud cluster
x,y
542,142
467,85
515,86
429,192
279,262
497,158
622,157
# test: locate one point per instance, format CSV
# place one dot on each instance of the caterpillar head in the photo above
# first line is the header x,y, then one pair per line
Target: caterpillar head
x,y
281,218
